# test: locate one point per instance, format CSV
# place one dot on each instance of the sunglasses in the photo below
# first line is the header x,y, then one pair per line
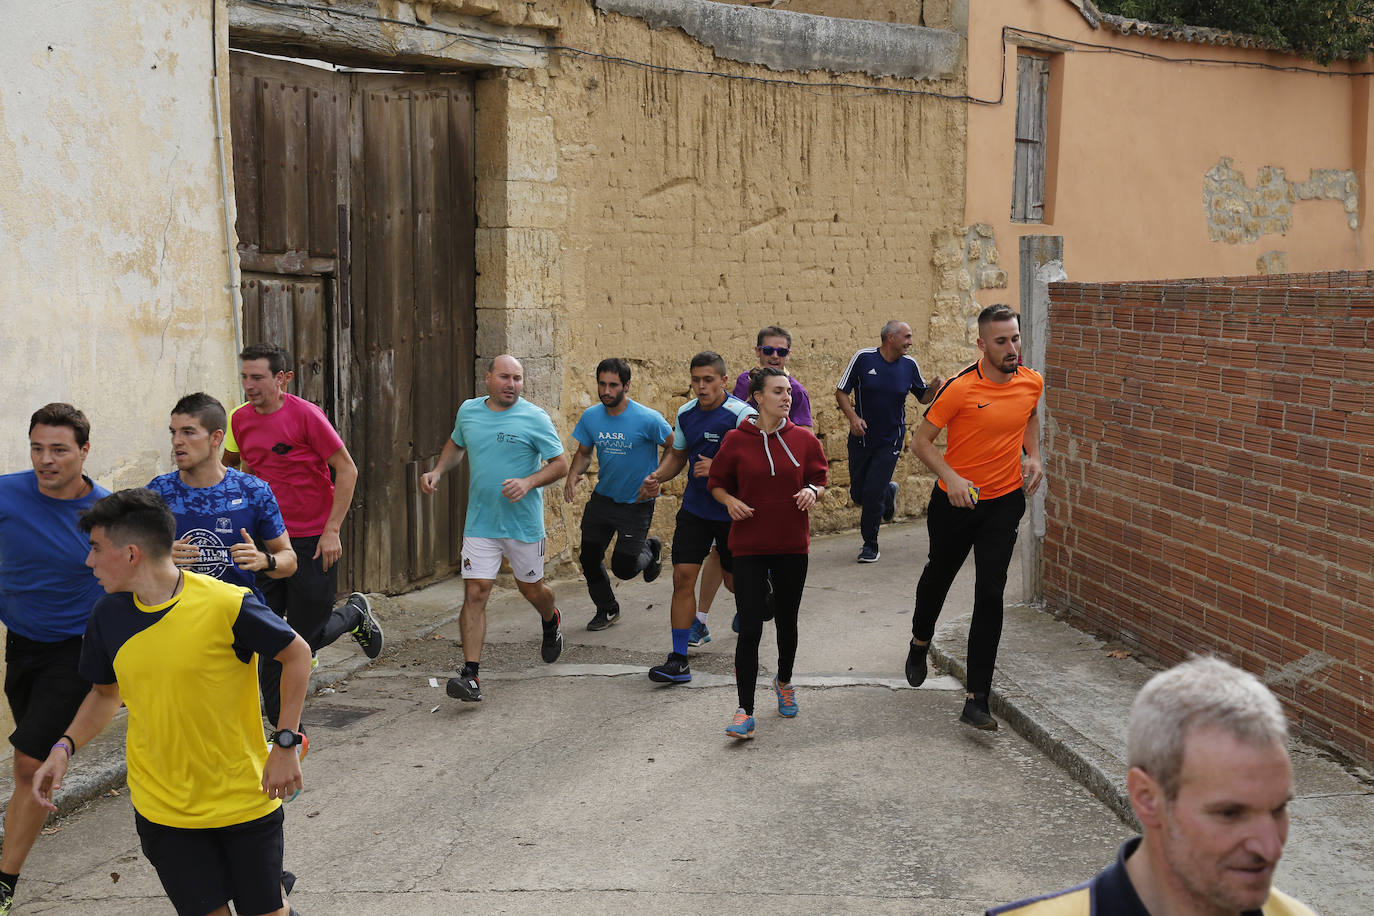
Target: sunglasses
x,y
780,351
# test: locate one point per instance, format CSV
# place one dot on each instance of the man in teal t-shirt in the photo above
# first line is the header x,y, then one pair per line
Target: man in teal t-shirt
x,y
514,450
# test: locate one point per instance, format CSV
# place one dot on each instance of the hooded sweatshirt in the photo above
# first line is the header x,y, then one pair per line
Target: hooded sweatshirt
x,y
766,470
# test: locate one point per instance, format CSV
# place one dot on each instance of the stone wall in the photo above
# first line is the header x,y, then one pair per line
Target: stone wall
x,y
1210,458
649,213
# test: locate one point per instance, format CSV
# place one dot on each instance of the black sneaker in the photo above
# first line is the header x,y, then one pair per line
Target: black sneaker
x,y
552,646
655,560
890,502
869,554
976,713
465,687
6,897
916,664
368,632
674,671
602,620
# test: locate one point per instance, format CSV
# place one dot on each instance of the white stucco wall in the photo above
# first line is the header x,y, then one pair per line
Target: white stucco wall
x,y
113,281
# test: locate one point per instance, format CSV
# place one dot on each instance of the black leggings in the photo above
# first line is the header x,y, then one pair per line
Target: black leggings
x,y
788,571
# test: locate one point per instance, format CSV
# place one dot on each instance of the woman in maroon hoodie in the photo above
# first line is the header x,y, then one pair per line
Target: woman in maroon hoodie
x,y
768,474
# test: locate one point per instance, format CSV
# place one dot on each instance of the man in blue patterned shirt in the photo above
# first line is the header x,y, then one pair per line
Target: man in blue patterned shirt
x,y
228,523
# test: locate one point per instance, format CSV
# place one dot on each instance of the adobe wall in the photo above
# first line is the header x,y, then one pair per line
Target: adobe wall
x,y
650,215
1210,459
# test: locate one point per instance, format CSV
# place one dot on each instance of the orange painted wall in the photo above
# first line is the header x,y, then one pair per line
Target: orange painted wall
x,y
1136,137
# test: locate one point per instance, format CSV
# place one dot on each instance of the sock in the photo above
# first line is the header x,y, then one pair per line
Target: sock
x,y
680,641
701,616
747,712
470,669
12,881
552,622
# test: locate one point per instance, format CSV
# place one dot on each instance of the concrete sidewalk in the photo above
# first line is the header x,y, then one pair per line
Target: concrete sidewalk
x,y
1067,693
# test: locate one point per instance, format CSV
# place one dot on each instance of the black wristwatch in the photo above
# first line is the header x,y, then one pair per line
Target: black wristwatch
x,y
286,738
271,562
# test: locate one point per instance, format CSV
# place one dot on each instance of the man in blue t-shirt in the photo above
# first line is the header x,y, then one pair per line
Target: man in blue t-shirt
x,y
46,595
880,378
701,426
514,451
626,436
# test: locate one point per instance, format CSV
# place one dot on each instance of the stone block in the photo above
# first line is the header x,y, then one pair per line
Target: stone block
x,y
531,149
518,268
469,7
521,332
521,204
536,18
508,12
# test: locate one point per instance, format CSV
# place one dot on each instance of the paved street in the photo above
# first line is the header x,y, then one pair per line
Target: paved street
x,y
583,786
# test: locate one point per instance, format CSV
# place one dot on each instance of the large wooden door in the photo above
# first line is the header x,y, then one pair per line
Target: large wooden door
x,y
356,225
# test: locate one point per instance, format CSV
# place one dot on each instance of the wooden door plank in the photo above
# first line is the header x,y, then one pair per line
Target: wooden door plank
x,y
325,113
246,130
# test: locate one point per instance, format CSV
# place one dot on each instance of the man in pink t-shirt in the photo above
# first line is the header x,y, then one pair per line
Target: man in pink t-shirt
x,y
290,443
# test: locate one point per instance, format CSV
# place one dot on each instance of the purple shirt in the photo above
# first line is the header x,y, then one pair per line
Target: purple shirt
x,y
800,413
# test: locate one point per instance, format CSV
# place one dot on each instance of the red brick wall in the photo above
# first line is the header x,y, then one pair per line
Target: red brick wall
x,y
1210,457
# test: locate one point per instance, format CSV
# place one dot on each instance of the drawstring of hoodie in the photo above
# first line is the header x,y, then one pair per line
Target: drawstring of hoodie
x,y
772,471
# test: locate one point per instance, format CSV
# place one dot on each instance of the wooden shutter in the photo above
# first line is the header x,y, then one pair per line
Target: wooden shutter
x,y
1032,118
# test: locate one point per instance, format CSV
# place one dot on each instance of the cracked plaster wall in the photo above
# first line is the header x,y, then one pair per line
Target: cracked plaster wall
x,y
112,266
652,215
1239,214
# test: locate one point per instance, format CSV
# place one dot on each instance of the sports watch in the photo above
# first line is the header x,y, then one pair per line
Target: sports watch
x,y
286,738
271,562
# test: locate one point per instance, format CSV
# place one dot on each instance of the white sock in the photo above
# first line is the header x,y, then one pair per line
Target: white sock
x,y
701,616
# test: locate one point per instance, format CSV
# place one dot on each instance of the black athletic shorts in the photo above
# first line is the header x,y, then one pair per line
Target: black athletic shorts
x,y
44,690
203,869
693,537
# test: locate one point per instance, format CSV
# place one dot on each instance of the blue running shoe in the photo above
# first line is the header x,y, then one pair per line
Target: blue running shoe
x,y
734,624
787,699
742,727
698,634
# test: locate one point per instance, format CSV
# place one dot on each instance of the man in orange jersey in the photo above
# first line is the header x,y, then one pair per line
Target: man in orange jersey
x,y
988,414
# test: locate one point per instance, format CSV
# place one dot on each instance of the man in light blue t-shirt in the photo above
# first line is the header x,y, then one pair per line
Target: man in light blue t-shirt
x,y
514,451
626,436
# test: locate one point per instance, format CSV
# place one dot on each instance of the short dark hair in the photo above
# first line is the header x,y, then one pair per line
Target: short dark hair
x,y
614,364
773,331
278,360
997,312
759,375
708,358
134,516
59,414
207,410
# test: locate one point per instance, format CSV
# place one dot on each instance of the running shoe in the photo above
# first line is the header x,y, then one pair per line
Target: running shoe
x,y
787,699
674,671
869,554
6,898
368,632
916,663
976,713
742,727
603,619
890,502
465,687
552,646
698,634
655,560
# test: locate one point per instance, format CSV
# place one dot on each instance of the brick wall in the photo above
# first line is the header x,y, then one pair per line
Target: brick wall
x,y
1210,452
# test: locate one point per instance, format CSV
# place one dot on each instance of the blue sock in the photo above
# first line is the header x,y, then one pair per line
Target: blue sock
x,y
680,640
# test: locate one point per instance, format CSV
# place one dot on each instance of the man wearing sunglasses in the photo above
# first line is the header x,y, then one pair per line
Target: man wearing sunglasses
x,y
773,347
